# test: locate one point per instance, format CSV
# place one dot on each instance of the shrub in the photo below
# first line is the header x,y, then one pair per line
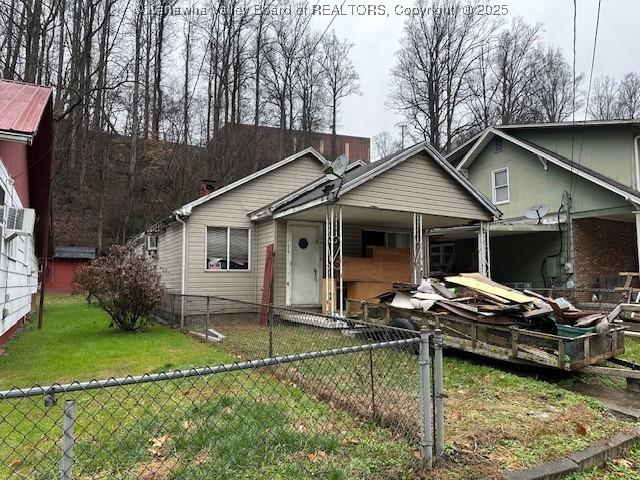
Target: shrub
x,y
125,283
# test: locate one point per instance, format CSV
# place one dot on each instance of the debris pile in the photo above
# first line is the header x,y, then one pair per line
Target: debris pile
x,y
480,299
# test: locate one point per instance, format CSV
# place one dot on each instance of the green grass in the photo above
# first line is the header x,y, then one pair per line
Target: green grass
x,y
238,425
77,343
627,468
495,418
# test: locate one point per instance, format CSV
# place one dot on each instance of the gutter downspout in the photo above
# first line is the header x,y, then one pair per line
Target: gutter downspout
x,y
183,273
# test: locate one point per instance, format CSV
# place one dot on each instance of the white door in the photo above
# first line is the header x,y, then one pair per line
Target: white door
x,y
304,265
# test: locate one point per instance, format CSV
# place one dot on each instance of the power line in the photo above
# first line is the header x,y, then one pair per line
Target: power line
x,y
593,61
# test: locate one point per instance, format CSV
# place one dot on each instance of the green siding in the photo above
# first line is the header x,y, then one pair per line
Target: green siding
x,y
530,184
607,150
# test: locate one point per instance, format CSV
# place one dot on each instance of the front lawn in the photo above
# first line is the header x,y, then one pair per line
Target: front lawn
x,y
287,422
76,343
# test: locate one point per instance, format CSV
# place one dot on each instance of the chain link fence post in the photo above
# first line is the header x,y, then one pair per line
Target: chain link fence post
x,y
426,430
270,324
438,391
206,322
373,385
68,420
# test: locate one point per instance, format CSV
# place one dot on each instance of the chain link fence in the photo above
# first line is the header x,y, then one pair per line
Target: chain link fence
x,y
296,394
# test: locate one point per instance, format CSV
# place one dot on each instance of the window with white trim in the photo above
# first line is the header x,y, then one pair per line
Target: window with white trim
x,y
500,184
227,249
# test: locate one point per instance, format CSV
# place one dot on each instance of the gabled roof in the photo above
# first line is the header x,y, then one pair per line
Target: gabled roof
x,y
185,210
267,210
330,190
21,108
628,193
454,156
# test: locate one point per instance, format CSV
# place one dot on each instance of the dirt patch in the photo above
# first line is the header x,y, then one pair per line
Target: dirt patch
x,y
158,468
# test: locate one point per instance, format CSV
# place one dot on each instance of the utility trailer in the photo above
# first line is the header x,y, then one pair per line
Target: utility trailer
x,y
507,343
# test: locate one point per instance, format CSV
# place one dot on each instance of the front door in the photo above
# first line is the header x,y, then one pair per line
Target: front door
x,y
304,264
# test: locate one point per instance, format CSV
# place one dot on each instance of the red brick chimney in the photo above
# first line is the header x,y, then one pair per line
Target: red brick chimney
x,y
206,187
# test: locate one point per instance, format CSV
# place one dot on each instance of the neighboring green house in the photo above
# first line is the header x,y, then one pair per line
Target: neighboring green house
x,y
584,180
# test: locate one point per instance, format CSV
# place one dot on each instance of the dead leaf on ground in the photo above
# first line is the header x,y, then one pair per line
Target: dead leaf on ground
x,y
157,444
186,424
318,456
582,429
15,462
622,462
201,458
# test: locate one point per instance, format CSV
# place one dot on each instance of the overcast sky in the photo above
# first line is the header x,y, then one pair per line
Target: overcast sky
x,y
378,38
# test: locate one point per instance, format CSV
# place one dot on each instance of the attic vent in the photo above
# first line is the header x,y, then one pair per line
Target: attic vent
x,y
20,221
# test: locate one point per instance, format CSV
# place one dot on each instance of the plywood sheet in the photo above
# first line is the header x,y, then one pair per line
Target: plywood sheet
x,y
490,288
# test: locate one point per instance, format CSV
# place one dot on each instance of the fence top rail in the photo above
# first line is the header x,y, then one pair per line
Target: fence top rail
x,y
198,372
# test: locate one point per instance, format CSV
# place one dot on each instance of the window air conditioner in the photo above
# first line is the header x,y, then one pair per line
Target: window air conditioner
x,y
20,221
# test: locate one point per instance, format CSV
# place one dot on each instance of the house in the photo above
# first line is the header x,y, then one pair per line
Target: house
x,y
582,180
274,143
26,138
63,265
318,225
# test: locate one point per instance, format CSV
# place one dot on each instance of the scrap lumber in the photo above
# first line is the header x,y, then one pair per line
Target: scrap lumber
x,y
490,288
442,290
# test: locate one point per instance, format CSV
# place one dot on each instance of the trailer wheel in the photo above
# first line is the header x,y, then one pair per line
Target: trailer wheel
x,y
405,324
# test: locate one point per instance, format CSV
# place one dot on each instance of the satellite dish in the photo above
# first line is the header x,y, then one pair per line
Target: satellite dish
x,y
336,169
536,212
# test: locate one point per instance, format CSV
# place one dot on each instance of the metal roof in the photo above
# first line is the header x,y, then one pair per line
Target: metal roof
x,y
22,106
84,253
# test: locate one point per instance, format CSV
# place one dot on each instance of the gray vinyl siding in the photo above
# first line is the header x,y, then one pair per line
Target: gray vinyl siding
x,y
230,210
419,185
265,235
170,257
280,274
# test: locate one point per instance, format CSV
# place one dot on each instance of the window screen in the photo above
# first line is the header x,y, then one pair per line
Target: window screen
x,y
501,186
227,248
238,249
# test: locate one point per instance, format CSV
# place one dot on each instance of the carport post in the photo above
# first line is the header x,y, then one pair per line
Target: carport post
x,y
484,252
438,390
418,248
426,430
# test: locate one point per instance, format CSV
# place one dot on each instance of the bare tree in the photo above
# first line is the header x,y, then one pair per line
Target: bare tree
x,y
629,96
340,76
553,87
438,54
384,144
603,101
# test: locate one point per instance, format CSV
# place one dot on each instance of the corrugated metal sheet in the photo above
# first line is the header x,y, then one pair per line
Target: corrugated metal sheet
x,y
22,106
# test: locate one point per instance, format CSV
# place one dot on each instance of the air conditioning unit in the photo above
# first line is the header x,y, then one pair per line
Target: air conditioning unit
x,y
20,221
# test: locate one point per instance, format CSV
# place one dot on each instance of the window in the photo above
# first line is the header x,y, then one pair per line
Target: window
x,y
442,257
322,147
500,183
384,239
499,143
152,243
227,248
346,149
